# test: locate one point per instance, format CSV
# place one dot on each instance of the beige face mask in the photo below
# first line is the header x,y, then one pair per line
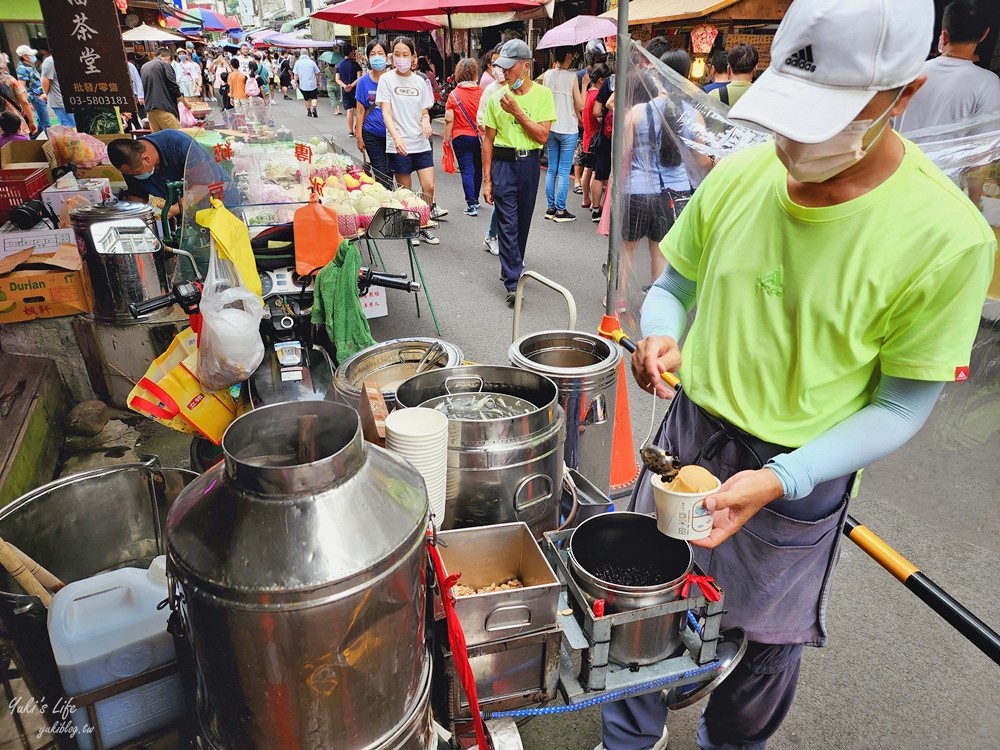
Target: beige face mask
x,y
819,162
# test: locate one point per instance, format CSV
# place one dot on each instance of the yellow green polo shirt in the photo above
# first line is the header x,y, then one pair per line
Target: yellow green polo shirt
x,y
538,104
799,309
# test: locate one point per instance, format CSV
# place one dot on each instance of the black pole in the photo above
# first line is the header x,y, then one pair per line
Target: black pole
x,y
949,608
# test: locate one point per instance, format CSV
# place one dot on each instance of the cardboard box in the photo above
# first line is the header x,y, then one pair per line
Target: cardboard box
x,y
96,191
41,237
43,285
24,155
102,172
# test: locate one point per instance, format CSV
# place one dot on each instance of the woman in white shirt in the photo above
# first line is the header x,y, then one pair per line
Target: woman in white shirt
x,y
564,133
406,99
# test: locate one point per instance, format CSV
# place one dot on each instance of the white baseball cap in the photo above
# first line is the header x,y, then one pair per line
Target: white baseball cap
x,y
830,57
24,49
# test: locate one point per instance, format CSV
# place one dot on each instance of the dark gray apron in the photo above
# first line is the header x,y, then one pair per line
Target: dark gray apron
x,y
776,571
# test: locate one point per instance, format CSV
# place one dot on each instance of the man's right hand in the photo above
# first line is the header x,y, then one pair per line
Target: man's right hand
x,y
488,192
361,144
655,355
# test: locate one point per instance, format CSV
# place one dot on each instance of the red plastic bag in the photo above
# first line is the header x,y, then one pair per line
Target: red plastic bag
x,y
317,236
448,158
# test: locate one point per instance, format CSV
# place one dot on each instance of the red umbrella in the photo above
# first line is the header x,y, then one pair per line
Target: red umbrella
x,y
359,13
407,8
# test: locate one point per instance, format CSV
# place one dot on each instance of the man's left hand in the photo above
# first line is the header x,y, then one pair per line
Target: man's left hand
x,y
737,501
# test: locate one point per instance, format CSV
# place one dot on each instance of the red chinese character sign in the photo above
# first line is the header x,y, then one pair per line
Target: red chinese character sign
x,y
86,42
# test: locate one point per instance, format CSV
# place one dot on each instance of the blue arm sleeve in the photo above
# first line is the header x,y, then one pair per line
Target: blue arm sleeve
x,y
898,410
670,299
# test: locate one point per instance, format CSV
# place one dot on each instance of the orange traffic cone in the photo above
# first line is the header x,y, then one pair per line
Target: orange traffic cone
x,y
624,468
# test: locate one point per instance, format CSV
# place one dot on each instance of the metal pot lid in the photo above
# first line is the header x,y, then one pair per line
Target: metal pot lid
x,y
112,210
730,648
354,370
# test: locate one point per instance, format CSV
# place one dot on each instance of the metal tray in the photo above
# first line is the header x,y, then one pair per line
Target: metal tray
x,y
495,554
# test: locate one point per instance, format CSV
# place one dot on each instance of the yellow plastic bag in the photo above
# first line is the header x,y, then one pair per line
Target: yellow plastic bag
x,y
170,393
231,239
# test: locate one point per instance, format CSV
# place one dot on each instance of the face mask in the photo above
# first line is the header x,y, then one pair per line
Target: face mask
x,y
377,62
182,58
517,84
819,162
402,64
497,73
143,176
33,58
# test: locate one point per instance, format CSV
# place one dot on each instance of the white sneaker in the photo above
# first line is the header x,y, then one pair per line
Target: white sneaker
x,y
437,212
661,744
491,245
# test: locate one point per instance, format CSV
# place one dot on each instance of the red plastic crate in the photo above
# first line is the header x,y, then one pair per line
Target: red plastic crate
x,y
19,185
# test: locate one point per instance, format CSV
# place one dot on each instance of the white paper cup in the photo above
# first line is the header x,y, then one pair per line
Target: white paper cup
x,y
415,423
681,515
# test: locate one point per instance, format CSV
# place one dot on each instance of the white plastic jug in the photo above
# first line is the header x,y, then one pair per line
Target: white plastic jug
x,y
105,629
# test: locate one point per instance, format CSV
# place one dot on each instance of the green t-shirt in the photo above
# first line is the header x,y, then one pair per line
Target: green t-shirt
x,y
799,309
736,89
538,104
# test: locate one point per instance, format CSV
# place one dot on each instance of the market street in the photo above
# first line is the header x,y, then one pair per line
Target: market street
x,y
894,675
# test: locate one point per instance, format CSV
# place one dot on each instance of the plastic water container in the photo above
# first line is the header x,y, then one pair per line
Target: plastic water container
x,y
106,629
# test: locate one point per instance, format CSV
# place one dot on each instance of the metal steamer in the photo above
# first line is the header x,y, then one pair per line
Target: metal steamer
x,y
125,258
299,569
505,469
585,369
389,364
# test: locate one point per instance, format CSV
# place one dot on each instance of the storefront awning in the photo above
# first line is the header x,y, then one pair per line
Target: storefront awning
x,y
290,26
659,11
21,10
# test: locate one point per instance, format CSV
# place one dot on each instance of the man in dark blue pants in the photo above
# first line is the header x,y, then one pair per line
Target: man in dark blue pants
x,y
517,122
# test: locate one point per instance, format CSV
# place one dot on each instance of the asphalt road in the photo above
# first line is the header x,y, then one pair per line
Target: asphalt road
x,y
895,676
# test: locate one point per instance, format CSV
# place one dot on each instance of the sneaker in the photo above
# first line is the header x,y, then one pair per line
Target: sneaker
x,y
661,744
550,213
472,210
437,212
430,239
561,217
510,298
595,215
415,241
491,245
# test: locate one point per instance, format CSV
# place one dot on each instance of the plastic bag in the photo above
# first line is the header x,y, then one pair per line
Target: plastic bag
x,y
317,236
80,149
186,116
229,346
447,158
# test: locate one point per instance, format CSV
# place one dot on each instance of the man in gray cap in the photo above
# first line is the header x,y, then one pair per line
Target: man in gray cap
x,y
517,122
870,303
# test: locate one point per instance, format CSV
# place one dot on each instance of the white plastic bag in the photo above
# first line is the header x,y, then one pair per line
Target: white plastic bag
x,y
230,347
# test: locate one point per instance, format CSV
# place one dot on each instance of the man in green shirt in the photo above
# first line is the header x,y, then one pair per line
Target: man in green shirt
x,y
742,66
517,122
832,306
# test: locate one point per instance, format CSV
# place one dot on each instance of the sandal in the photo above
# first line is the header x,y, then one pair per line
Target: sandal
x,y
578,190
585,205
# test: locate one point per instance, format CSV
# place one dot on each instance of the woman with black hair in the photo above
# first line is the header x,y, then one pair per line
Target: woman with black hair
x,y
369,127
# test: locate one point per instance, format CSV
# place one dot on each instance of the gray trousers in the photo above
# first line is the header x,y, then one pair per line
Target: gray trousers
x,y
776,575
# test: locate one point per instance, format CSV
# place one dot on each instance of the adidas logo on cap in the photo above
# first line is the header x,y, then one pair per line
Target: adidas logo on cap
x,y
803,59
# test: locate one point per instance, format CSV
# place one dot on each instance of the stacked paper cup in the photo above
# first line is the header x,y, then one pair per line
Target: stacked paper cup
x,y
421,437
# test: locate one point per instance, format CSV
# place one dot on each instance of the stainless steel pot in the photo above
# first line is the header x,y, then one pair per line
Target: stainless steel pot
x,y
301,587
389,364
584,368
77,527
632,541
499,470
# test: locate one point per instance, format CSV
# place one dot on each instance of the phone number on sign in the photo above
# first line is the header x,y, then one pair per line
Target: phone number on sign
x,y
96,101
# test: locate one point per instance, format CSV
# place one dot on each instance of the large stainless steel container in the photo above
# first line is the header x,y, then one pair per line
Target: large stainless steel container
x,y
584,368
499,470
388,364
301,586
77,527
631,541
124,257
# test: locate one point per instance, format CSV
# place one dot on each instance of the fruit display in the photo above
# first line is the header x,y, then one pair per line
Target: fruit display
x,y
276,178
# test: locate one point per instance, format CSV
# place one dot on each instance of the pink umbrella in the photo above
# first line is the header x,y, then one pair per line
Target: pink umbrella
x,y
579,30
360,13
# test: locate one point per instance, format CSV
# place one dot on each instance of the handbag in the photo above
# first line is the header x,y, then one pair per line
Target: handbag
x,y
447,158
